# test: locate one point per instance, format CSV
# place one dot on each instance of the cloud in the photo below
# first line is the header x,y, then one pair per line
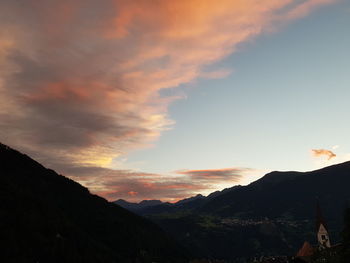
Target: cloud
x,y
132,193
135,185
228,174
80,80
331,159
304,8
323,152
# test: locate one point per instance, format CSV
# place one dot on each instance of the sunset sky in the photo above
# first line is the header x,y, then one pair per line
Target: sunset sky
x,y
157,99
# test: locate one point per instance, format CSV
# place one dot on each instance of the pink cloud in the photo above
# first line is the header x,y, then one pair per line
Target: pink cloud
x,y
231,174
305,8
137,186
132,193
81,81
323,152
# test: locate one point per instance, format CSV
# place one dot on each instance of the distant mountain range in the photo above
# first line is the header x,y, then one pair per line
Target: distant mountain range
x,y
157,206
46,217
146,206
135,207
273,215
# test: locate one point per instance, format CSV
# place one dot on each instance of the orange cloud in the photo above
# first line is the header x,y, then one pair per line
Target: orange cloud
x,y
137,186
305,8
233,174
132,193
323,152
81,81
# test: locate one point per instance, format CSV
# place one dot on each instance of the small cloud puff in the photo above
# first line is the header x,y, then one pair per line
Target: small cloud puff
x,y
323,152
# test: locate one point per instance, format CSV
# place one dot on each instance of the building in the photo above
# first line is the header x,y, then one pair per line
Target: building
x,y
322,230
323,248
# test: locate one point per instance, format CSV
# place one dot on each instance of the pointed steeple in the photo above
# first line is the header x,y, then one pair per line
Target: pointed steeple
x,y
321,229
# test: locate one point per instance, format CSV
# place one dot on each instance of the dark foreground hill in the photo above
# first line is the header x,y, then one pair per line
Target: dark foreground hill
x,y
46,217
273,215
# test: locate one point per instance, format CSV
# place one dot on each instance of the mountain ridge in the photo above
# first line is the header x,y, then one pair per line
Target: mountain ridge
x,y
46,217
273,177
273,215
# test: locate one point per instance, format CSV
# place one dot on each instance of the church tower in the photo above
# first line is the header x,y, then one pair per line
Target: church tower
x,y
322,230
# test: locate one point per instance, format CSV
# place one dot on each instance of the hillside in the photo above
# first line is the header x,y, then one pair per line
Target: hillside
x,y
273,215
156,206
46,217
290,194
136,207
151,207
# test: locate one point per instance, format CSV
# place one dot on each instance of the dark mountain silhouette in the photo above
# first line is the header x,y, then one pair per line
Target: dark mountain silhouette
x,y
288,193
147,207
46,217
135,207
155,206
273,215
226,190
190,199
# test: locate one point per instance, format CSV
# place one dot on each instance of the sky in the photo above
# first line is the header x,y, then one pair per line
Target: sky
x,y
156,99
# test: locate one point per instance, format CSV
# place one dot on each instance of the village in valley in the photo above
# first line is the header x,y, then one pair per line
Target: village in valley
x,y
319,250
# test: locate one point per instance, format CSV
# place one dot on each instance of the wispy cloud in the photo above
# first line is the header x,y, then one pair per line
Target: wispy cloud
x,y
136,185
228,174
80,80
323,152
331,157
